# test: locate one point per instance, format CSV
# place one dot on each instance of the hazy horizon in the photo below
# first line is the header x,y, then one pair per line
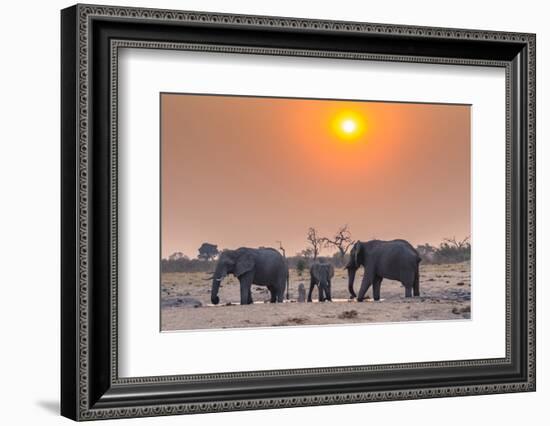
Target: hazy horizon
x,y
250,171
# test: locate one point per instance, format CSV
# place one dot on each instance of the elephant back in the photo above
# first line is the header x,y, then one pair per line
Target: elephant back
x,y
396,251
322,270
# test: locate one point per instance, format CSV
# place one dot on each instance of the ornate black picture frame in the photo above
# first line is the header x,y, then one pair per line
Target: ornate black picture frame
x,y
91,36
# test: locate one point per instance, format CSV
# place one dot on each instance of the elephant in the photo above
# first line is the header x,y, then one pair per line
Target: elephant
x,y
396,260
260,266
321,273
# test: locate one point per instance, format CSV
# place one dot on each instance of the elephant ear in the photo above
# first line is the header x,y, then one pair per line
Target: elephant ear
x,y
330,271
314,270
358,249
244,264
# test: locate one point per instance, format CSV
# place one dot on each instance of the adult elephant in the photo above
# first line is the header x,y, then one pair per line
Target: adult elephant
x,y
396,260
321,273
260,266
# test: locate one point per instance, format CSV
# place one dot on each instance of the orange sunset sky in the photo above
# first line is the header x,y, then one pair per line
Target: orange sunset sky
x,y
249,171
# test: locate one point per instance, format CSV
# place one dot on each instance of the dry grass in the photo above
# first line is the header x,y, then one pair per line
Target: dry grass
x,y
444,295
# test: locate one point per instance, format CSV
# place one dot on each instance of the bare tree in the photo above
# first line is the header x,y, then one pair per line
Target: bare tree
x,y
306,253
459,244
317,242
341,240
281,248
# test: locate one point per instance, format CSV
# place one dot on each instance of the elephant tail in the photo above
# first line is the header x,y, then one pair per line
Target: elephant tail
x,y
416,284
287,285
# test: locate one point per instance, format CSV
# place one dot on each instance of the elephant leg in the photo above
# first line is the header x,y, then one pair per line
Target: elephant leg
x,y
409,282
311,285
365,284
280,291
329,297
246,284
273,295
321,292
377,283
416,285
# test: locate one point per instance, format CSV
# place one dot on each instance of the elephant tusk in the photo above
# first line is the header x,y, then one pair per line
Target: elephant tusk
x,y
211,277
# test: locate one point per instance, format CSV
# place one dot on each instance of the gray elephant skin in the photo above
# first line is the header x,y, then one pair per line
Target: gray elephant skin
x,y
260,266
321,274
395,260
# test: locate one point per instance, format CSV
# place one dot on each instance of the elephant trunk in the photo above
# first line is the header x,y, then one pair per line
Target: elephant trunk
x,y
215,288
351,279
217,278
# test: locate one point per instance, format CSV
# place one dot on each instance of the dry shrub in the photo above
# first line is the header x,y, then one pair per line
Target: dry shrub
x,y
348,314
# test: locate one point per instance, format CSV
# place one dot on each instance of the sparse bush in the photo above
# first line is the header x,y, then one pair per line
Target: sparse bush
x,y
339,261
306,253
453,251
300,266
427,253
184,264
449,251
177,255
295,262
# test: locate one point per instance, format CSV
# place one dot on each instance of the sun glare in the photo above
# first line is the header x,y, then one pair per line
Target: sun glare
x,y
348,125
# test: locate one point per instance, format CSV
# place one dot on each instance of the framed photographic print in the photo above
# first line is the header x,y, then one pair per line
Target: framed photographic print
x,y
304,165
264,212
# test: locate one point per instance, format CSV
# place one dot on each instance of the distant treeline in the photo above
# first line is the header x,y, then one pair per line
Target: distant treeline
x,y
449,251
184,264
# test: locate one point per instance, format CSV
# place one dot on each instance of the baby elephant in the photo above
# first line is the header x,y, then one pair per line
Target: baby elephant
x,y
321,274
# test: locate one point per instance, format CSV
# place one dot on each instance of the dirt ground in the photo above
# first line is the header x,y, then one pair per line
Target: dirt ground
x,y
185,301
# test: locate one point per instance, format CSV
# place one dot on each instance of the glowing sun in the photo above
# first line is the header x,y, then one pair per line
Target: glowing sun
x,y
348,125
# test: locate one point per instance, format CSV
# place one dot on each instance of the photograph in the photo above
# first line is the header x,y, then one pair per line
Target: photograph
x,y
283,212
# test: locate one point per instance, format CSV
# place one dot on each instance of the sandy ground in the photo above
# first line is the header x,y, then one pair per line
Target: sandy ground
x,y
185,301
